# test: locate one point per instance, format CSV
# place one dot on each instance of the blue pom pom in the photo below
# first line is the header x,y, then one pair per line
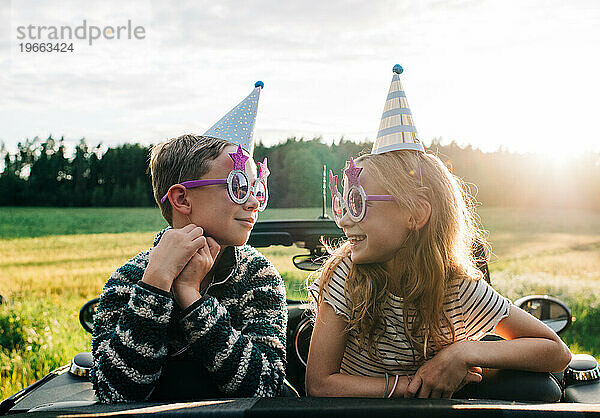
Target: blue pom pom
x,y
398,69
259,84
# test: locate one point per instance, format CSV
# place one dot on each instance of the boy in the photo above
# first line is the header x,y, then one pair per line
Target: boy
x,y
199,315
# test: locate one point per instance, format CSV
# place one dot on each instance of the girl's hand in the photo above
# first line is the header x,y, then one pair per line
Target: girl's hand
x,y
444,374
187,285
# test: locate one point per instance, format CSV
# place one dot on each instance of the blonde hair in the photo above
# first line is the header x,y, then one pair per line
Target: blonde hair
x,y
171,162
433,257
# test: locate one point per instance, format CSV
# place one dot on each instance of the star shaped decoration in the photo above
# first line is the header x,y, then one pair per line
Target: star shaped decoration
x,y
352,173
239,159
333,183
263,172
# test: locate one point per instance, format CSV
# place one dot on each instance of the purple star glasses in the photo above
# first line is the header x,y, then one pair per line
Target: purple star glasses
x,y
238,183
355,200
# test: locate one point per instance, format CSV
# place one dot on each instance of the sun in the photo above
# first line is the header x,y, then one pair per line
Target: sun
x,y
560,157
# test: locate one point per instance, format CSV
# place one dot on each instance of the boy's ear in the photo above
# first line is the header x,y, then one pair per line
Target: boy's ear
x,y
421,215
178,198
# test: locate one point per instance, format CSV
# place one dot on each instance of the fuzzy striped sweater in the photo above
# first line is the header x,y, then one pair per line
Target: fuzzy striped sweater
x,y
237,332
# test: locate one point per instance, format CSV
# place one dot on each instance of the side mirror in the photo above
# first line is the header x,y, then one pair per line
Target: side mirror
x,y
86,314
312,261
306,262
551,311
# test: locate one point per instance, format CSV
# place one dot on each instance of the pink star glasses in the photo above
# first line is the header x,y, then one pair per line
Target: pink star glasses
x,y
355,200
238,183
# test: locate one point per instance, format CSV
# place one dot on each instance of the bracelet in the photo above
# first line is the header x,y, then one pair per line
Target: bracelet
x,y
393,387
387,381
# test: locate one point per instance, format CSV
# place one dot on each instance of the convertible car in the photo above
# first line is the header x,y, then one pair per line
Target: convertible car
x,y
67,391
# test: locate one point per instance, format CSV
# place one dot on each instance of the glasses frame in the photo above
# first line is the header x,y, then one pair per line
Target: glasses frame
x,y
190,184
252,188
343,201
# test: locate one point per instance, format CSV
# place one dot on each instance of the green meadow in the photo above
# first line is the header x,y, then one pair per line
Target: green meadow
x,y
52,260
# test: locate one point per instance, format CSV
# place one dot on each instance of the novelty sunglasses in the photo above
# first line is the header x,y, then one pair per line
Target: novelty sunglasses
x,y
355,200
239,187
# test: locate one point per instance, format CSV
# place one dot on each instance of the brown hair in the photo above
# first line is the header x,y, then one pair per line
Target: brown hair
x,y
187,157
433,257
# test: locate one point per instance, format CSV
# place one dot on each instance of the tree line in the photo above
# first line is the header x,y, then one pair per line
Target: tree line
x,y
43,173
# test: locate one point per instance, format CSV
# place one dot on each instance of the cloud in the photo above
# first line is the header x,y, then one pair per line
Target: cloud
x,y
471,68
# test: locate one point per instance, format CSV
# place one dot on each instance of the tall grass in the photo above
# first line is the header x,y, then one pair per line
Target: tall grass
x,y
54,260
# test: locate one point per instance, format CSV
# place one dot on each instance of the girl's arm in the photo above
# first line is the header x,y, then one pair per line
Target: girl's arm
x,y
323,377
530,345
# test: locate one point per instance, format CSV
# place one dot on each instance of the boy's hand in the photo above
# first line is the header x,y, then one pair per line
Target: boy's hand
x,y
444,374
171,255
186,287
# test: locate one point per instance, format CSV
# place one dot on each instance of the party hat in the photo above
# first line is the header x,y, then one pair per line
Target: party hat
x,y
237,126
396,130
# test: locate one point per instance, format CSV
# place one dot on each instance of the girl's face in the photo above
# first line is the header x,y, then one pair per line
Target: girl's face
x,y
383,230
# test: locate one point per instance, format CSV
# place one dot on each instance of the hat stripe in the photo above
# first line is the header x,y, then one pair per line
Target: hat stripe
x,y
394,112
396,94
394,147
396,129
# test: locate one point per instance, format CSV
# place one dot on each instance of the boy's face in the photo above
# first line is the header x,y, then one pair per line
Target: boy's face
x,y
227,222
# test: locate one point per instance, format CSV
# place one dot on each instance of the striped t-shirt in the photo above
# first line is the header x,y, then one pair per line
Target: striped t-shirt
x,y
473,307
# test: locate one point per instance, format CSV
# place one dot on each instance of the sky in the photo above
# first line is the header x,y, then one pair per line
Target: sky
x,y
516,74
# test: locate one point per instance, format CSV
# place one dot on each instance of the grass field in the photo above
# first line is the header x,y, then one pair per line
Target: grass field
x,y
40,222
52,260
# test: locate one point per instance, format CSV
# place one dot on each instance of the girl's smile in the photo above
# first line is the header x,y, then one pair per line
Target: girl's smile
x,y
356,240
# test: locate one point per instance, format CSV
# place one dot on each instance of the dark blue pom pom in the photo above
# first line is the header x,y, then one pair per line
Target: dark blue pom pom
x,y
259,84
398,69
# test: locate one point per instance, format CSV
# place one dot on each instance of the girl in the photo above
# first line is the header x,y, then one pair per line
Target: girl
x,y
400,305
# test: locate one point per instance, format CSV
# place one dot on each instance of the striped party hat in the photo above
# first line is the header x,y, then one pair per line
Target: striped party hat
x,y
397,130
237,126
